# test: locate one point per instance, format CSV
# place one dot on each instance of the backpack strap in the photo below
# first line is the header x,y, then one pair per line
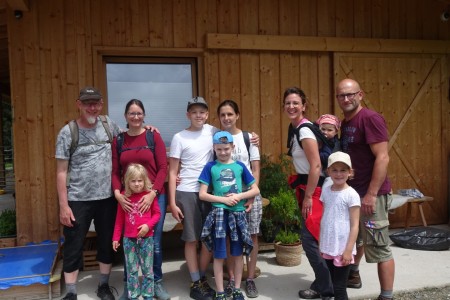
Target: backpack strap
x,y
74,134
107,128
120,139
150,140
246,136
119,143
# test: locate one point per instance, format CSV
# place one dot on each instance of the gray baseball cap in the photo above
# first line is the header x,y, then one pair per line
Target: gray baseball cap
x,y
197,100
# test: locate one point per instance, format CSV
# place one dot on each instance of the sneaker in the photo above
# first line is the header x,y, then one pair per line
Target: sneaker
x,y
229,288
237,295
207,289
354,280
70,296
160,291
104,292
250,289
198,293
309,294
384,298
220,296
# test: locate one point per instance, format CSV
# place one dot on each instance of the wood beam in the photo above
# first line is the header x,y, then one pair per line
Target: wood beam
x,y
22,5
326,44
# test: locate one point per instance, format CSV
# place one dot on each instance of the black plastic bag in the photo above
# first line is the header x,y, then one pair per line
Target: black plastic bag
x,y
422,238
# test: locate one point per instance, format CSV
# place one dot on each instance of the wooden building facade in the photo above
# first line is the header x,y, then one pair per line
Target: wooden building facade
x,y
247,50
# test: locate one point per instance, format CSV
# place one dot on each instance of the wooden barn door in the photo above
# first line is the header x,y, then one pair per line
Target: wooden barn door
x,y
411,92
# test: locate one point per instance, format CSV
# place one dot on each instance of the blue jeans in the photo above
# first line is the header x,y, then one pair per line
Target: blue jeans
x,y
157,238
322,282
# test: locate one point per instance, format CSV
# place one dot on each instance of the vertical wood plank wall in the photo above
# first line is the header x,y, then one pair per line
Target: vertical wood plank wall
x,y
51,57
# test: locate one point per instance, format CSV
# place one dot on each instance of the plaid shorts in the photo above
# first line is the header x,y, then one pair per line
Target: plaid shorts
x,y
255,215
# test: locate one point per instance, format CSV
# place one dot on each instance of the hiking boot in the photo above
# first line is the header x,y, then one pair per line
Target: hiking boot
x,y
229,288
160,291
250,289
309,294
207,289
220,296
70,296
104,292
198,293
124,295
384,298
354,280
237,295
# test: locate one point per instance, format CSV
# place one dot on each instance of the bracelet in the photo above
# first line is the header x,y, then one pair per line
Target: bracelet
x,y
156,192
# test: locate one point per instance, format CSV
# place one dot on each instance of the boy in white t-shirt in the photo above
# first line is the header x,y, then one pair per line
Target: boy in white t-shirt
x,y
191,149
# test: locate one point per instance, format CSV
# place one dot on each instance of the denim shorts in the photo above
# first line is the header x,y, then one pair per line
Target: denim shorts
x,y
220,244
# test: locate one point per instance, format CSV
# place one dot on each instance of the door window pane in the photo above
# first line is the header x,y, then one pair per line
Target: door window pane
x,y
163,88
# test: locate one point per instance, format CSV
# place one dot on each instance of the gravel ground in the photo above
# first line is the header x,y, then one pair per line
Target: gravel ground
x,y
433,293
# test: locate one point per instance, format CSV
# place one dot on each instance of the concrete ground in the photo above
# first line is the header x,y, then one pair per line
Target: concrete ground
x,y
414,270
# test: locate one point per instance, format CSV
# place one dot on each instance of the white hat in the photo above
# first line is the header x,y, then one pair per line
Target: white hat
x,y
339,157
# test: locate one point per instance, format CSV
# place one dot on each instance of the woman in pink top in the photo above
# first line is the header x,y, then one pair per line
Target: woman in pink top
x,y
137,229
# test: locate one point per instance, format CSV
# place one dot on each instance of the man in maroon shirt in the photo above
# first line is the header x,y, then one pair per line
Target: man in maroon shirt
x,y
364,137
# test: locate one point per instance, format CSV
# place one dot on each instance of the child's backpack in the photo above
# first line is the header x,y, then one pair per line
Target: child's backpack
x,y
148,137
75,134
315,129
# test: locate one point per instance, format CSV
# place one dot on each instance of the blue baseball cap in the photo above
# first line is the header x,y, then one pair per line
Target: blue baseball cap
x,y
222,137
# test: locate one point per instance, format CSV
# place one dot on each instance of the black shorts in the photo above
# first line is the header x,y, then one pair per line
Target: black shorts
x,y
103,212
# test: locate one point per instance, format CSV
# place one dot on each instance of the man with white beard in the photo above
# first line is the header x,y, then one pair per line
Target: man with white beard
x,y
83,180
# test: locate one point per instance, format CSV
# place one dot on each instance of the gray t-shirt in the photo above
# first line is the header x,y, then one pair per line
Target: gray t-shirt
x,y
91,165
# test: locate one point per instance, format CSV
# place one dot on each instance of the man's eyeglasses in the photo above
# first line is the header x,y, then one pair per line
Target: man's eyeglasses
x,y
90,104
135,114
350,96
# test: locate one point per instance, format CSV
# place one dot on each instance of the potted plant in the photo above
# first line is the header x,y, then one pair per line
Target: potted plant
x,y
285,211
273,178
8,228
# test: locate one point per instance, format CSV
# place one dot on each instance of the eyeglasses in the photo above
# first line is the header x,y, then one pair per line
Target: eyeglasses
x,y
350,96
135,114
293,103
90,104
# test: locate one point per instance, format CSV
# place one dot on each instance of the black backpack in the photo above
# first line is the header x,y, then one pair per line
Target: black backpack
x,y
148,137
314,128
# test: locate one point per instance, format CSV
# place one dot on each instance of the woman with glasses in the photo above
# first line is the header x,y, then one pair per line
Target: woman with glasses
x,y
135,148
307,183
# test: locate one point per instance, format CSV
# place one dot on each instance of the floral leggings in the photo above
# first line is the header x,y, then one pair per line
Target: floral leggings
x,y
139,252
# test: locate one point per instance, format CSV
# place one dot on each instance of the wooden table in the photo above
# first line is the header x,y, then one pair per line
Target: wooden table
x,y
420,202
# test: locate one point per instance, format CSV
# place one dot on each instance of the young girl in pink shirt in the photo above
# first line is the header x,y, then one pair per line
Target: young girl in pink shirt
x,y
137,230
